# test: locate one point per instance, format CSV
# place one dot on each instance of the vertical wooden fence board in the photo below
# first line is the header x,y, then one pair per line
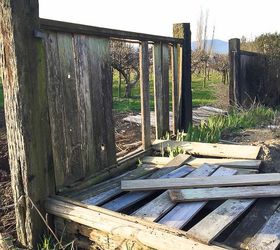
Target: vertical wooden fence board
x,y
80,105
160,59
145,95
71,119
56,107
175,88
165,87
102,100
89,152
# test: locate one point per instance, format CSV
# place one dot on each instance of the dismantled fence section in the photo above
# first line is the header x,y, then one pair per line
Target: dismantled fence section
x,y
57,82
254,77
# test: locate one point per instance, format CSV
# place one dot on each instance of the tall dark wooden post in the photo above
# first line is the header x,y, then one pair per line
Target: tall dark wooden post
x,y
234,72
182,30
22,69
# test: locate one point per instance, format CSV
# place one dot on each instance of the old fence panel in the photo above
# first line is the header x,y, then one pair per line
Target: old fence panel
x,y
80,104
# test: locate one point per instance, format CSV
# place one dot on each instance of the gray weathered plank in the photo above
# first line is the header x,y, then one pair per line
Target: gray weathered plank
x,y
72,161
132,198
159,206
204,194
218,220
55,104
105,191
211,181
252,222
182,213
197,162
145,94
161,90
268,238
211,149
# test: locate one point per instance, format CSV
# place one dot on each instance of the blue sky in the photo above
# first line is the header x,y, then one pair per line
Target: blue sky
x,y
230,18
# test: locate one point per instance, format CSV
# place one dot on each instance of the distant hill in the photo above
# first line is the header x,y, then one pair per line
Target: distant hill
x,y
219,46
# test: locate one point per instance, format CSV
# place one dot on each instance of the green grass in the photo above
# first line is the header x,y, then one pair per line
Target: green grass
x,y
201,96
238,119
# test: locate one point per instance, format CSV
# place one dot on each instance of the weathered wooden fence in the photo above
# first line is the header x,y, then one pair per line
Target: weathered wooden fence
x,y
254,77
57,83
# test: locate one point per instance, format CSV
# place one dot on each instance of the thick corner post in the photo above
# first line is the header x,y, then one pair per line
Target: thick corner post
x,y
23,73
182,30
234,72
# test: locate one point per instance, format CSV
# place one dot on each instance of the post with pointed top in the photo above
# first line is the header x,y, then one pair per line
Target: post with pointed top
x,y
23,74
182,30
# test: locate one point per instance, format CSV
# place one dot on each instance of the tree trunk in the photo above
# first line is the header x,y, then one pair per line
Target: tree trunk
x,y
127,86
22,69
120,85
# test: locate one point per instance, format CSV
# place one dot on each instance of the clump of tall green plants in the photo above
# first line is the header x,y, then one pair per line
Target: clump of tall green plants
x,y
235,120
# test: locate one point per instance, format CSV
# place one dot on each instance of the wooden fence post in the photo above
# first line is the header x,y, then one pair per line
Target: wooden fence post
x,y
22,69
182,30
234,72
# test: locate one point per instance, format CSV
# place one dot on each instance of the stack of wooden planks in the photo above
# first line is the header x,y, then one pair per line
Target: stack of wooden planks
x,y
179,194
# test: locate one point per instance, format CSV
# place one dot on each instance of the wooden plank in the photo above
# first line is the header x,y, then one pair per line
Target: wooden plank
x,y
211,149
175,89
252,222
102,100
235,163
205,194
148,234
268,238
157,160
211,181
53,25
218,220
132,198
160,61
197,162
159,206
145,94
182,213
55,105
105,191
73,161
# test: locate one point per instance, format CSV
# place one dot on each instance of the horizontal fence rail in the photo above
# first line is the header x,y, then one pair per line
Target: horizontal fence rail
x,y
104,32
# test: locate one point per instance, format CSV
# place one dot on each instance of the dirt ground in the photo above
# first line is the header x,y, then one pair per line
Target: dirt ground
x,y
128,138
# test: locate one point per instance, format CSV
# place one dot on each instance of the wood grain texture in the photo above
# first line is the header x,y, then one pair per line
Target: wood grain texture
x,y
268,238
132,198
80,105
126,200
211,181
182,213
159,206
205,194
252,223
211,149
145,233
107,190
23,76
58,26
145,94
161,89
207,229
197,162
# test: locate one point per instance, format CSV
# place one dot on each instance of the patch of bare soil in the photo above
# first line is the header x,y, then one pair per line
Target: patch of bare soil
x,y
268,139
222,95
127,134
